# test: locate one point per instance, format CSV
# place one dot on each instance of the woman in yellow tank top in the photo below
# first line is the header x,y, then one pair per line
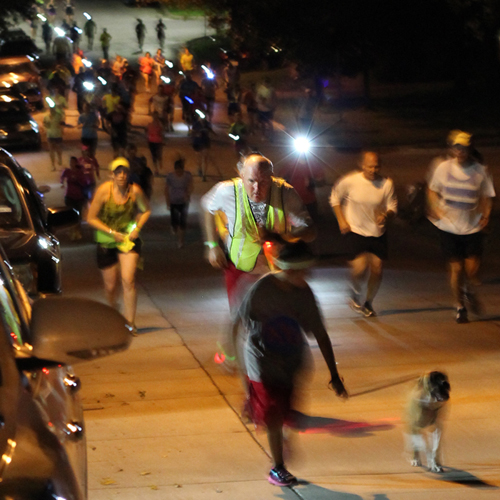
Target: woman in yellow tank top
x,y
118,212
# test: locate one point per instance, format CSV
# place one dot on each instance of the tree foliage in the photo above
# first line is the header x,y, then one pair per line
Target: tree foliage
x,y
398,39
12,11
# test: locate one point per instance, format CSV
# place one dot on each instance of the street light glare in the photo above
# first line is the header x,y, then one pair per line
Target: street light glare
x,y
302,144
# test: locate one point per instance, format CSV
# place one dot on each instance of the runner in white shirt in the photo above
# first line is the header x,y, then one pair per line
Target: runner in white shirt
x,y
459,194
363,202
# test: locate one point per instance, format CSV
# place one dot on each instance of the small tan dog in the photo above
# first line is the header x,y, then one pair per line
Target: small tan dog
x,y
426,410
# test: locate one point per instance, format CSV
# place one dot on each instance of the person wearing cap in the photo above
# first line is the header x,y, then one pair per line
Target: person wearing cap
x,y
275,313
460,193
118,212
246,212
363,202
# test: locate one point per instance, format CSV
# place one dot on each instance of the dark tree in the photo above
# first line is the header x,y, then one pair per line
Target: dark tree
x,y
12,11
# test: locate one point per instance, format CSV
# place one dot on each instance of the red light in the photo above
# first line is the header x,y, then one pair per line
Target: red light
x,y
268,244
45,370
219,358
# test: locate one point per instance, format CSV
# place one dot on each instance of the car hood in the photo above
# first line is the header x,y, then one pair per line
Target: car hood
x,y
19,244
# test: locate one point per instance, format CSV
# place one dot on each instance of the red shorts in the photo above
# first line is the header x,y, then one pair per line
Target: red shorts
x,y
268,404
237,284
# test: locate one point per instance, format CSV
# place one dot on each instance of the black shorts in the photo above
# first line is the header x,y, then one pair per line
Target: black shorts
x,y
178,215
461,246
156,149
355,245
107,257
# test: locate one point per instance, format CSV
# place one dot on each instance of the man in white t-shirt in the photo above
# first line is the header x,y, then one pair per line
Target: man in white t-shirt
x,y
363,202
460,196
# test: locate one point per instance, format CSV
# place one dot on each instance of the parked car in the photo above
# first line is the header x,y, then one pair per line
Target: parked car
x,y
42,432
22,74
27,226
18,43
17,126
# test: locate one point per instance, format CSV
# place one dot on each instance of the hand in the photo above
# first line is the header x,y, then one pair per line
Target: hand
x,y
344,227
217,258
338,387
133,235
381,219
483,222
119,237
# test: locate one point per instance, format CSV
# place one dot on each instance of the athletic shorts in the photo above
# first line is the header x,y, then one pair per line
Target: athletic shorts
x,y
156,149
267,404
107,257
355,245
461,246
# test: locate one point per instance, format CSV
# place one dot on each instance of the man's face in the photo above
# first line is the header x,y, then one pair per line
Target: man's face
x,y
461,153
370,166
256,180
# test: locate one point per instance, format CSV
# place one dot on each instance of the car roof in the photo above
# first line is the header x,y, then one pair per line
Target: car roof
x,y
15,59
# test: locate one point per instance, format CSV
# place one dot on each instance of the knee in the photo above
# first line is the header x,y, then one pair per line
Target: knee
x,y
128,283
376,268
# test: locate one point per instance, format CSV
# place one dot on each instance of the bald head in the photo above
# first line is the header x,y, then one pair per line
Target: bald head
x,y
370,165
256,172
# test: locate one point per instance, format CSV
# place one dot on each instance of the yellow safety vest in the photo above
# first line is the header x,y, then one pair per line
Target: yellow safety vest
x,y
246,245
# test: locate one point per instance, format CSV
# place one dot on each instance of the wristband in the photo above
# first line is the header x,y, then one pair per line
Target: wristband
x,y
211,244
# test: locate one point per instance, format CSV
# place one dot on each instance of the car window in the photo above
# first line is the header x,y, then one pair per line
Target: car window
x,y
9,316
11,107
12,215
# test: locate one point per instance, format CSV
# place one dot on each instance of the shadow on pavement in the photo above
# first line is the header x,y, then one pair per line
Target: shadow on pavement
x,y
306,424
390,312
459,476
308,490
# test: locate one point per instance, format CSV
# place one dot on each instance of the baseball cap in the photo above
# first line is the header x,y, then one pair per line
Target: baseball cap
x,y
119,162
459,137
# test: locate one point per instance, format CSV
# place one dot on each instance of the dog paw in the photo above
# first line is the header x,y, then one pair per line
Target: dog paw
x,y
415,462
436,468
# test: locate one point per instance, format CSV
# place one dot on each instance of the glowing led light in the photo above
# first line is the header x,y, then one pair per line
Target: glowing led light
x,y
219,358
181,73
6,98
43,18
50,102
302,144
59,32
170,64
189,100
210,74
43,243
86,63
102,80
87,15
6,84
200,113
165,79
234,137
88,85
78,30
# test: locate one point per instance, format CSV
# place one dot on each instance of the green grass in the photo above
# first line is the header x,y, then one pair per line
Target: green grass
x,y
187,12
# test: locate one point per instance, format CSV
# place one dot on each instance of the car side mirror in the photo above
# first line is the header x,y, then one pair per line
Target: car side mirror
x,y
70,330
62,217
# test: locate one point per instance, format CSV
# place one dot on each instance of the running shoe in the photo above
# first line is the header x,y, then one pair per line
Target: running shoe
x,y
354,304
461,316
473,303
367,310
279,476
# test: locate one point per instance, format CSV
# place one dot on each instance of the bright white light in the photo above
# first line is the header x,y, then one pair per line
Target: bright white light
x,y
6,84
199,113
50,102
234,137
43,243
78,30
210,74
43,18
87,15
302,144
165,79
59,32
181,73
6,98
170,64
102,80
86,63
30,58
88,85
